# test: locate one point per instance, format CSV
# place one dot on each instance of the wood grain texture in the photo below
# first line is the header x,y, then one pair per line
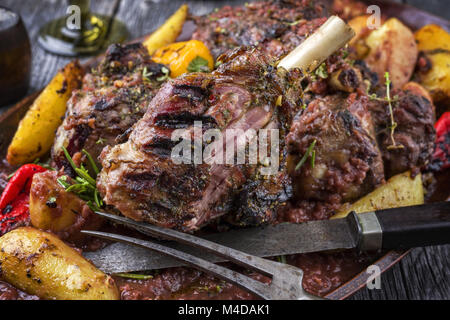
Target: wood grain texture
x,y
424,274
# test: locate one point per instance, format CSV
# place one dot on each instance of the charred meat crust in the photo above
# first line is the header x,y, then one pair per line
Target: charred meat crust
x,y
276,27
347,161
113,97
414,115
139,178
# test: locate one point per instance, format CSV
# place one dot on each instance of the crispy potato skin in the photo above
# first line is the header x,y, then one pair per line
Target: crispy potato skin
x,y
434,43
56,217
399,191
66,215
36,131
393,49
39,263
361,27
168,32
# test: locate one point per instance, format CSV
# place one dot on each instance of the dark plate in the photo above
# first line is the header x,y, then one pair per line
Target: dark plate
x,y
413,17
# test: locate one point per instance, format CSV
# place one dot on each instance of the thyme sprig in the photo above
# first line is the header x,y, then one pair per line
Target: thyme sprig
x,y
84,185
390,101
391,112
310,152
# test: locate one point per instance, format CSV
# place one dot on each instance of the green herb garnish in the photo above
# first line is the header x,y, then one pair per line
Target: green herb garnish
x,y
134,276
281,259
309,153
100,141
91,162
391,112
63,182
198,64
146,75
165,75
321,71
84,185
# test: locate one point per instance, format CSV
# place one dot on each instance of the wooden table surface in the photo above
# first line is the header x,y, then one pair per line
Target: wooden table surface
x,y
424,274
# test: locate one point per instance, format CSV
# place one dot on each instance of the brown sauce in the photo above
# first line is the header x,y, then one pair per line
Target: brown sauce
x,y
323,273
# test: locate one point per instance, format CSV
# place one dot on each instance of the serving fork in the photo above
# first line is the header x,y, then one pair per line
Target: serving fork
x,y
286,281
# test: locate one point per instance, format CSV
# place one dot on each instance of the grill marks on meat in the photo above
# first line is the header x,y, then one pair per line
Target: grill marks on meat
x,y
348,161
113,97
275,26
144,184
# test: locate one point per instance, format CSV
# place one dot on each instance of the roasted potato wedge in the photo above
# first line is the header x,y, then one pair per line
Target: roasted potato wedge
x,y
393,49
36,130
434,44
168,32
51,207
54,209
399,191
362,31
39,263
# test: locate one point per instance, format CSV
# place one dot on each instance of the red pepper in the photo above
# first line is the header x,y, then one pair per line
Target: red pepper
x,y
16,213
15,198
20,181
441,156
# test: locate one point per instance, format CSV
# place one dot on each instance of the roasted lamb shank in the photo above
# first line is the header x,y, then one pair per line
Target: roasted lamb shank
x,y
247,91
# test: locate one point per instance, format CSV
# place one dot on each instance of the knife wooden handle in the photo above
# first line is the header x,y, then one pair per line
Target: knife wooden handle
x,y
416,226
401,228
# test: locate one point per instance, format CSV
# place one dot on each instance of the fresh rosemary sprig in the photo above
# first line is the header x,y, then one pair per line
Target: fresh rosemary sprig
x,y
309,153
84,185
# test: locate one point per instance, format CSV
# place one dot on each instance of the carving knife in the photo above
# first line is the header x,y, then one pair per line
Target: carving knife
x,y
398,228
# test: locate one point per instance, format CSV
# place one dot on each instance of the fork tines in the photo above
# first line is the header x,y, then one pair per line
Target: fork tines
x,y
286,280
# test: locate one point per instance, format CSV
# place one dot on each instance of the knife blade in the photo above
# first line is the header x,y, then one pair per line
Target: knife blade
x,y
402,227
281,239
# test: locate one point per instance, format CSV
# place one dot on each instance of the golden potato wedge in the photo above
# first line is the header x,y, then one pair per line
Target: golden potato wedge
x,y
54,209
36,130
393,49
362,31
168,32
432,37
361,27
51,207
399,191
39,263
434,43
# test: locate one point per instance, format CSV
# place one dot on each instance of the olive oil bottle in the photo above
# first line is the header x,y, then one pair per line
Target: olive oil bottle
x,y
82,32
